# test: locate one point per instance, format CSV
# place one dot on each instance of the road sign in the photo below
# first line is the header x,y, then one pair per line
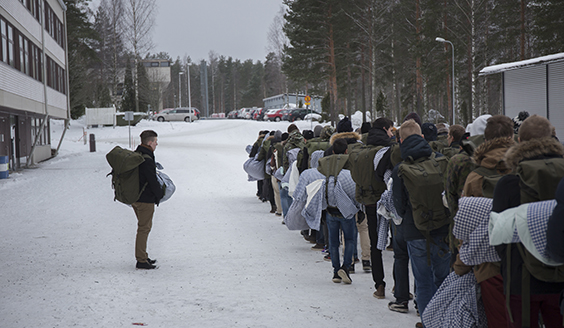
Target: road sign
x,y
307,99
307,103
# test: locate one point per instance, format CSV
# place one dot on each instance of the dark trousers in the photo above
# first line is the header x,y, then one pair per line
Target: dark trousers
x,y
401,265
259,188
267,191
546,304
494,301
375,253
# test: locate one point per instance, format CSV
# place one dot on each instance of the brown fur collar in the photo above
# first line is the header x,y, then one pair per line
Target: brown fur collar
x,y
531,149
344,135
481,152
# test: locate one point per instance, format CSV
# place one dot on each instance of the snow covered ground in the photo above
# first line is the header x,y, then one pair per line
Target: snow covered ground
x,y
67,248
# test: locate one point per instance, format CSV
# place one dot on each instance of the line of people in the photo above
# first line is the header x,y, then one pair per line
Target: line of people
x,y
433,189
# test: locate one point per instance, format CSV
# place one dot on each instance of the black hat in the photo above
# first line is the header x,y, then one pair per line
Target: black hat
x,y
344,125
429,130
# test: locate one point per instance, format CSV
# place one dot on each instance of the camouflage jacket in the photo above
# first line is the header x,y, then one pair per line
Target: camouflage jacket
x,y
458,169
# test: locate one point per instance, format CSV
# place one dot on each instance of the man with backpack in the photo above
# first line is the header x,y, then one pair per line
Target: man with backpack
x,y
538,163
417,194
368,164
489,158
331,188
151,194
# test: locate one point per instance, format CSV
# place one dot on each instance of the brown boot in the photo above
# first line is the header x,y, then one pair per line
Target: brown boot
x,y
380,292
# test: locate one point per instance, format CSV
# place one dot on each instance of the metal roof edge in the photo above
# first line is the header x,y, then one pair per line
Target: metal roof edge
x,y
499,68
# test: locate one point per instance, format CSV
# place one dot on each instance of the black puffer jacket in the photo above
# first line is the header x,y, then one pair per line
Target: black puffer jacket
x,y
148,174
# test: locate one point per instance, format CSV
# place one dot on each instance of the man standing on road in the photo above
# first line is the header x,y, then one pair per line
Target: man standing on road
x,y
151,194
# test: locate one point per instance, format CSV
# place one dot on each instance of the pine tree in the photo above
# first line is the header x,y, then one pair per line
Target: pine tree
x,y
128,100
80,35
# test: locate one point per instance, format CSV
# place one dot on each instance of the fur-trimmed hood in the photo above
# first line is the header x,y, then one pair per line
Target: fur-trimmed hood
x,y
344,135
532,149
491,152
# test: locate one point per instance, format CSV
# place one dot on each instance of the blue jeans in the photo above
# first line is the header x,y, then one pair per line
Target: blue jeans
x,y
428,278
285,199
401,265
348,226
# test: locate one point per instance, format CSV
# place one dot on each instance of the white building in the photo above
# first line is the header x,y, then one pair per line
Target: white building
x,y
535,85
33,77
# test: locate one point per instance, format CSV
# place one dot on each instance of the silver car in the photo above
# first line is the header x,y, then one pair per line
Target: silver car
x,y
177,114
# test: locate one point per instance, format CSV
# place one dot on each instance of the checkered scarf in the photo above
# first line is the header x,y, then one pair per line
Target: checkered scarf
x,y
526,224
471,225
456,304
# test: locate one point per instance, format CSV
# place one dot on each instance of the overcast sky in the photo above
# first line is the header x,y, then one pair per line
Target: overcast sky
x,y
236,28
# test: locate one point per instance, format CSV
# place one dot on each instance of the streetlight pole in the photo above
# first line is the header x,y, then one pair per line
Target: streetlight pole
x,y
188,78
180,89
452,64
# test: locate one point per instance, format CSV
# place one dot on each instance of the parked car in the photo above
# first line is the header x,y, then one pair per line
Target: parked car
x,y
245,113
232,114
275,114
297,114
177,114
259,114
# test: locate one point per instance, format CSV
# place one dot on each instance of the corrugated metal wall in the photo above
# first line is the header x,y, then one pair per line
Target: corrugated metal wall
x,y
525,90
556,97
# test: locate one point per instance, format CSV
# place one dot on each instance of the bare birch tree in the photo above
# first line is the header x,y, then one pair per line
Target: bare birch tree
x,y
113,13
140,20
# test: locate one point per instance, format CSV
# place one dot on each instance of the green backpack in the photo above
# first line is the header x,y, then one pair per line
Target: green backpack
x,y
423,179
361,165
490,177
538,180
125,174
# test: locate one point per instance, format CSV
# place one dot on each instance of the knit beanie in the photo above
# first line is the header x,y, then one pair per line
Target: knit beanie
x,y
317,130
429,131
308,134
344,125
365,127
518,120
277,136
285,136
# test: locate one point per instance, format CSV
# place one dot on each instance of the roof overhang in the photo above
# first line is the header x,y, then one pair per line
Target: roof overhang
x,y
522,64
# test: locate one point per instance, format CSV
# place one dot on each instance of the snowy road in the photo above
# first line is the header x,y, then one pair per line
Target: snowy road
x,y
225,261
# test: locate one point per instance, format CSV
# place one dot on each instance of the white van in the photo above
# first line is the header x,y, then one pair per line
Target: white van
x,y
177,114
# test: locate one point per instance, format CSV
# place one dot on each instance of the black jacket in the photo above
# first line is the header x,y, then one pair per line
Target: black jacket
x,y
379,137
416,147
153,191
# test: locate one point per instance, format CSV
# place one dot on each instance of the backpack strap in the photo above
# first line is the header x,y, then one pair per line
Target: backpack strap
x,y
525,291
508,282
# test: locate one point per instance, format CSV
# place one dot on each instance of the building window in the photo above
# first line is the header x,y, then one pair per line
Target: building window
x,y
10,47
3,41
53,25
55,76
19,52
36,129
